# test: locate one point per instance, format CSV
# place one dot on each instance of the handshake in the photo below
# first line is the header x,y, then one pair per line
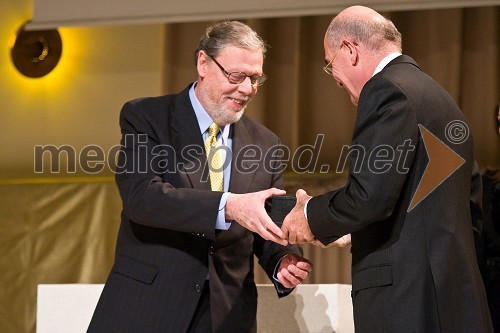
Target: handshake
x,y
266,211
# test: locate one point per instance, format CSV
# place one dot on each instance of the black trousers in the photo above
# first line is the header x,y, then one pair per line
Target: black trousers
x,y
201,322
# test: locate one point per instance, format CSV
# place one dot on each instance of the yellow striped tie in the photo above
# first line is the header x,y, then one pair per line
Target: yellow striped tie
x,y
214,159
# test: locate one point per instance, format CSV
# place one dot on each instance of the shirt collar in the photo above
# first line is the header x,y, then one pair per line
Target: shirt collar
x,y
385,61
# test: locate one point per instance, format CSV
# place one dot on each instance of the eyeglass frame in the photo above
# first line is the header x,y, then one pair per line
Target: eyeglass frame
x,y
328,67
258,80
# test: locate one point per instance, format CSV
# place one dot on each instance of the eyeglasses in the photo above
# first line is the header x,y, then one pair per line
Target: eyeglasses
x,y
238,77
328,68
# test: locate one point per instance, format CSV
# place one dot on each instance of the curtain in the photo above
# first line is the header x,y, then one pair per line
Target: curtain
x,y
55,231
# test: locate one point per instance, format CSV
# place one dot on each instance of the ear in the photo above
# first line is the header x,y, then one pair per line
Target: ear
x,y
201,63
353,50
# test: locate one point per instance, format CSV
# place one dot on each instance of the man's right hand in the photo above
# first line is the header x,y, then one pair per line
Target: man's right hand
x,y
248,210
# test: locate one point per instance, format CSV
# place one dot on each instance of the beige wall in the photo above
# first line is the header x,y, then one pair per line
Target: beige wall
x,y
79,102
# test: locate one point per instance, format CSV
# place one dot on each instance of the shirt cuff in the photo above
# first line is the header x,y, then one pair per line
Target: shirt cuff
x,y
305,208
279,287
222,223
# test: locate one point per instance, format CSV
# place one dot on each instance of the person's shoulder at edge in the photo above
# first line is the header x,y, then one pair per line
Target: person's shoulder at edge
x,y
154,104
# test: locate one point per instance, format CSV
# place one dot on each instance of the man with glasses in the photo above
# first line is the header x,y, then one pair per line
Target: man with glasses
x,y
193,207
414,266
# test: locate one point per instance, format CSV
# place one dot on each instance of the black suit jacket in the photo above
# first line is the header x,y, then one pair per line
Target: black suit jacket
x,y
167,243
412,271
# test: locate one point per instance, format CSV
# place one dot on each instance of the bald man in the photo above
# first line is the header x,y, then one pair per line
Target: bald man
x,y
414,267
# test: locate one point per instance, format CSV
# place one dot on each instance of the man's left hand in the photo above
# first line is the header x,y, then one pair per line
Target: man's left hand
x,y
293,269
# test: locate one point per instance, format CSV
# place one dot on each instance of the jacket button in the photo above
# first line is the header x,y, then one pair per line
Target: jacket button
x,y
198,288
211,250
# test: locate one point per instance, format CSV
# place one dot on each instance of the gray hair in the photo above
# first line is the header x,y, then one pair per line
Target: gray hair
x,y
374,34
229,33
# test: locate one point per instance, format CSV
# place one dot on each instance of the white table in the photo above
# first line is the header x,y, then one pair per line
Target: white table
x,y
325,308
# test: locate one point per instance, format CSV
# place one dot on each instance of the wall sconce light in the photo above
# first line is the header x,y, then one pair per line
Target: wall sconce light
x,y
36,53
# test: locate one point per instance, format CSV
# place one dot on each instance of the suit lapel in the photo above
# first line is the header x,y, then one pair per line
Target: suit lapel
x,y
240,181
188,143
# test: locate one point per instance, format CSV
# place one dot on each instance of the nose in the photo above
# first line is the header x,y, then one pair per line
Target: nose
x,y
246,87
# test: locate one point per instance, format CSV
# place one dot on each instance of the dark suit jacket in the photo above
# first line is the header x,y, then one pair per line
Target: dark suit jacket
x,y
412,271
167,242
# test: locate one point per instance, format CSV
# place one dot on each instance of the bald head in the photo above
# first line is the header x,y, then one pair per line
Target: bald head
x,y
364,26
355,43
362,13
